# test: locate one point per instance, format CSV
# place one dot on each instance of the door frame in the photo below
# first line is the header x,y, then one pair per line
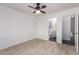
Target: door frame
x,y
76,31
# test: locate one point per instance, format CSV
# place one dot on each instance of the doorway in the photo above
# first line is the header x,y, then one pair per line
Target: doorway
x,y
52,29
68,29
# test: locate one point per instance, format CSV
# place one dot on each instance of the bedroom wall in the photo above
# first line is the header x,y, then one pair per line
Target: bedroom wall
x,y
15,27
41,28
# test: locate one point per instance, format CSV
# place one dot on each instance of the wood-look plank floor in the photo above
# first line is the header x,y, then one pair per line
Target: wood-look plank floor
x,y
39,47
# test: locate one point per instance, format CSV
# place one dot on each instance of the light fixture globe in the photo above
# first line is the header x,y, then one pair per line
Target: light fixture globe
x,y
37,11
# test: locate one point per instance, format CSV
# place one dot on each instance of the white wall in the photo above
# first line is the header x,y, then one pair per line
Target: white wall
x,y
66,27
59,30
42,28
15,27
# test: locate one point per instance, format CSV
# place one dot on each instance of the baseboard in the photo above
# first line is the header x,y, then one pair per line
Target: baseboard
x,y
15,44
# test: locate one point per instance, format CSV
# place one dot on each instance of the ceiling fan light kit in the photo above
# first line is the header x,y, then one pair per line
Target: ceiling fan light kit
x,y
37,11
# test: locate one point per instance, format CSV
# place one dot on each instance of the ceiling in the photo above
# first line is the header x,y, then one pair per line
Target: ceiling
x,y
51,7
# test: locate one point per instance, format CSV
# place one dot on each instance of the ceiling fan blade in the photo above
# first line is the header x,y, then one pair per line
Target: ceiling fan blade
x,y
31,7
44,6
42,11
34,11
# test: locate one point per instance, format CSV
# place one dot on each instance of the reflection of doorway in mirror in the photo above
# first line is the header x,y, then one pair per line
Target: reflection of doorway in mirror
x,y
52,29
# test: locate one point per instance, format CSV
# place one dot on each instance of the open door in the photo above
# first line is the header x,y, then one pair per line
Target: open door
x,y
70,30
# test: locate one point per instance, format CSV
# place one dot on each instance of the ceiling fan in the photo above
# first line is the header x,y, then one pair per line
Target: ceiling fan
x,y
38,8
